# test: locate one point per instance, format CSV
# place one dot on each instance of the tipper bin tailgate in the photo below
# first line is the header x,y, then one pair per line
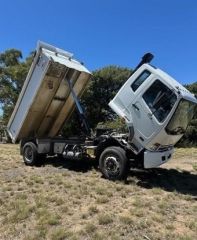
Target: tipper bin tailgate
x,y
45,102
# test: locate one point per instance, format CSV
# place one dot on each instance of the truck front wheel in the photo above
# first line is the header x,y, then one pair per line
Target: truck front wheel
x,y
30,154
113,163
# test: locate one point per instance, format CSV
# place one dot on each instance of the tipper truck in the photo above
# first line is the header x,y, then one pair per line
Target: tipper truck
x,y
155,108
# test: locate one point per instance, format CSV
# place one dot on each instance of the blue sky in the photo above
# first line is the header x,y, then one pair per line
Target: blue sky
x,y
105,32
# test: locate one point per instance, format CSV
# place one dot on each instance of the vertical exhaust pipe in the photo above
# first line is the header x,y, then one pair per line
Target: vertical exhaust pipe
x,y
147,58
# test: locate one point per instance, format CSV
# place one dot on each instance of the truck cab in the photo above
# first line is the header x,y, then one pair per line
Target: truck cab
x,y
157,110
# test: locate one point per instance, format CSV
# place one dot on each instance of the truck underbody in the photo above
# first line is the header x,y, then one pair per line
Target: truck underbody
x,y
111,152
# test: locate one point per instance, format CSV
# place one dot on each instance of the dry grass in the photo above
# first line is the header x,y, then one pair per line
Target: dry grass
x,y
70,200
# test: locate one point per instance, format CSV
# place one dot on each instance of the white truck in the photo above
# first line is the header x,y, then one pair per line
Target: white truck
x,y
153,105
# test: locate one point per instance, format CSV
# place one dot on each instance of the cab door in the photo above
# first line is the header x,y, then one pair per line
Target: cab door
x,y
150,109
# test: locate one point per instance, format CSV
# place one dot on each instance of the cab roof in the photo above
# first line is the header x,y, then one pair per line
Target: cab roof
x,y
186,94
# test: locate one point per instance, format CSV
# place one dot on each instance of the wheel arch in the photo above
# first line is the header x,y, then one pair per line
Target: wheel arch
x,y
109,142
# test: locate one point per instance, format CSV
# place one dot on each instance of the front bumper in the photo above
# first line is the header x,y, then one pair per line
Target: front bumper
x,y
155,159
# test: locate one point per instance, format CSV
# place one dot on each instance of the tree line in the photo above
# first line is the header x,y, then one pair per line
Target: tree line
x,y
104,85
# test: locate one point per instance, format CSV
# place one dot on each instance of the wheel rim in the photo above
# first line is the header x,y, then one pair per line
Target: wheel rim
x,y
28,154
112,165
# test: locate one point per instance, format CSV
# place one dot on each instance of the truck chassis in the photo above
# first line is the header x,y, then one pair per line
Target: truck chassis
x,y
112,153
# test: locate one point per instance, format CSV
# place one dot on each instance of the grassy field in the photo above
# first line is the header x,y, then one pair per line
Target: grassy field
x,y
71,200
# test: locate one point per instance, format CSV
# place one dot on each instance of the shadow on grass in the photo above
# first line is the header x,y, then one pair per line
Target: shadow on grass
x,y
169,180
83,165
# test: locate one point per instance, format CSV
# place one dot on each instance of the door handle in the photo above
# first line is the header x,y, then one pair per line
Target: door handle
x,y
136,107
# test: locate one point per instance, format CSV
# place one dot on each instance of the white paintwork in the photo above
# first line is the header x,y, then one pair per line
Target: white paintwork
x,y
154,159
38,112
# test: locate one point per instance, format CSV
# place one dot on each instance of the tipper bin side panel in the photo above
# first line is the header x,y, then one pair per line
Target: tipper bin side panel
x,y
25,99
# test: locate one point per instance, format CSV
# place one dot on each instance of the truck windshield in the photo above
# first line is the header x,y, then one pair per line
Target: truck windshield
x,y
181,118
160,99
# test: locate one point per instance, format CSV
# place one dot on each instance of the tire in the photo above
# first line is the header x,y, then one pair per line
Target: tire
x,y
113,163
30,154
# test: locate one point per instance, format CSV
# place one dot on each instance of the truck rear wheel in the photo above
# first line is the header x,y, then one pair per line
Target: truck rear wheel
x,y
113,163
30,154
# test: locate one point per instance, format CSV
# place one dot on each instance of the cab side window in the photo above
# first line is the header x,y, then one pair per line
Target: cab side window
x,y
141,78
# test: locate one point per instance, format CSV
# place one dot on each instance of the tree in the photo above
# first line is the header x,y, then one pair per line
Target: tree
x,y
13,72
104,85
